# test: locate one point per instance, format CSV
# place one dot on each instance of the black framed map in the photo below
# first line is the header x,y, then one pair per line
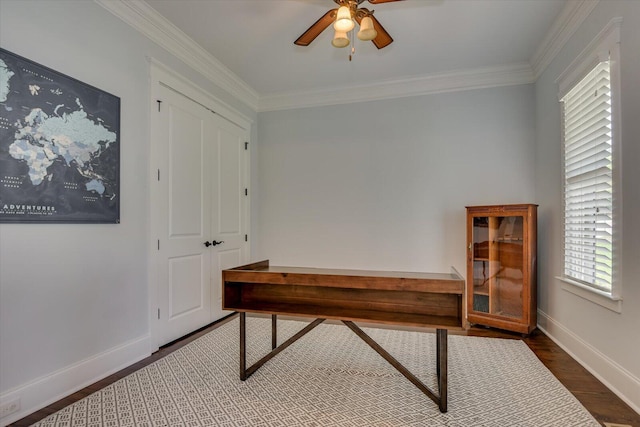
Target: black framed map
x,y
59,147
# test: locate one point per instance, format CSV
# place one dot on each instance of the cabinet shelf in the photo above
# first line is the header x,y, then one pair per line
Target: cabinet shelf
x,y
501,280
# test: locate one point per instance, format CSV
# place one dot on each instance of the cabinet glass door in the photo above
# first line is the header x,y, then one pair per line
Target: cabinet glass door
x,y
498,264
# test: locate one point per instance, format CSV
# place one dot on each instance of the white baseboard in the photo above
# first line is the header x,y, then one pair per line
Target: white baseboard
x,y
620,381
46,390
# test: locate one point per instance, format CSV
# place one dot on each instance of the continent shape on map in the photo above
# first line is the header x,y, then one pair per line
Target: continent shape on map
x,y
5,76
41,139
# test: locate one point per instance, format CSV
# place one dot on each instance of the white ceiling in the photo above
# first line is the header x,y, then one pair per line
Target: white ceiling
x,y
254,39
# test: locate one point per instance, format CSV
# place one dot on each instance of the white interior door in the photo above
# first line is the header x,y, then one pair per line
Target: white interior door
x,y
229,204
201,206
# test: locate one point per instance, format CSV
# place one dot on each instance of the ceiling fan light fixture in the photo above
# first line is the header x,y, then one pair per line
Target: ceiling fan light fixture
x,y
367,32
340,39
344,19
344,23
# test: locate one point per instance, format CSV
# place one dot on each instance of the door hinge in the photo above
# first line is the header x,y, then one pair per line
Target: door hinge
x,y
246,237
246,191
246,145
159,102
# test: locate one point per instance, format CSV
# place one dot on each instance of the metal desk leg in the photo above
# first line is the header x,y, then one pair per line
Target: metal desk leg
x,y
441,364
243,346
247,372
274,331
441,360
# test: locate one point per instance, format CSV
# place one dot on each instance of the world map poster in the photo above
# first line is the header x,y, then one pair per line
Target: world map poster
x,y
59,147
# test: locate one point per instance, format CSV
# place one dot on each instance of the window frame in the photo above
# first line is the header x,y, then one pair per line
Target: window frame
x,y
606,46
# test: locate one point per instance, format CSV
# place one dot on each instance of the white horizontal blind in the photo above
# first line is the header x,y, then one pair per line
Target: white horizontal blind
x,y
588,186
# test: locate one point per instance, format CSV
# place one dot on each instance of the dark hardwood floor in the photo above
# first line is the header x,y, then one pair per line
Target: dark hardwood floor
x,y
603,404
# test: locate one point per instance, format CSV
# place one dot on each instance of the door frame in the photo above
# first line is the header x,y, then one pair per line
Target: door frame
x,y
162,75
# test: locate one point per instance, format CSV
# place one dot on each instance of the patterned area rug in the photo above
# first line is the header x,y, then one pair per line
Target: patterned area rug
x,y
332,378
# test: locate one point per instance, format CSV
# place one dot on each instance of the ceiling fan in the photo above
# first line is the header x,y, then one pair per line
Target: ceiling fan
x,y
342,18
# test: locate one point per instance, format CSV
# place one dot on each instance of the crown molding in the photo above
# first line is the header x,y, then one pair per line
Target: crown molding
x,y
158,29
565,25
150,23
478,78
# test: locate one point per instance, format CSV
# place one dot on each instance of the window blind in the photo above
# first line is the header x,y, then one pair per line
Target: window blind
x,y
588,186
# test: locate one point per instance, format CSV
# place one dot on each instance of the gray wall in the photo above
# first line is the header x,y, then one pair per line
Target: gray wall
x,y
605,341
384,185
74,298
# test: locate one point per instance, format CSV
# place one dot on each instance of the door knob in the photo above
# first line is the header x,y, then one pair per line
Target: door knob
x,y
213,243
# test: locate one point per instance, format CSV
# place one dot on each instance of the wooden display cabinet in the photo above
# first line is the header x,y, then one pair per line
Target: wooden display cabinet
x,y
501,266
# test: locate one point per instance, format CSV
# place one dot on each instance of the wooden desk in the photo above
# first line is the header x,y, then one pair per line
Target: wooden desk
x,y
396,298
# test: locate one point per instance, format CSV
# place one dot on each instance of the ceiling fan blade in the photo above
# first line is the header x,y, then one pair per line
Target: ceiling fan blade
x,y
381,1
383,39
319,26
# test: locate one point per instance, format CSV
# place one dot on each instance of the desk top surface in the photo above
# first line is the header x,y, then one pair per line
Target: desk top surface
x,y
264,267
358,273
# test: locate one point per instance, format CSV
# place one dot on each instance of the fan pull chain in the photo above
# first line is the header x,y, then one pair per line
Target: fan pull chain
x,y
353,45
